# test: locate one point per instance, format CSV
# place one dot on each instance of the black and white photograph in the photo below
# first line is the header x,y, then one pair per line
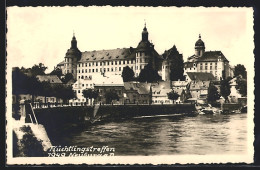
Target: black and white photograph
x,y
129,85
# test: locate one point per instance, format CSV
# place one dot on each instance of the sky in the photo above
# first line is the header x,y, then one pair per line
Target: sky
x,y
43,34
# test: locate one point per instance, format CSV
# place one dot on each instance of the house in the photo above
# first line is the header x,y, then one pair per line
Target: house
x,y
159,92
137,93
199,90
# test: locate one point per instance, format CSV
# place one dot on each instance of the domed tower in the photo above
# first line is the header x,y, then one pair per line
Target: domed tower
x,y
143,52
73,55
199,47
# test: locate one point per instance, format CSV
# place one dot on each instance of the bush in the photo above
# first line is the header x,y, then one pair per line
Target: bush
x,y
31,147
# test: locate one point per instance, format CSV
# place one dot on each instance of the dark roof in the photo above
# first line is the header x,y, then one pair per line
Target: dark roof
x,y
200,43
107,55
53,79
212,56
141,88
200,76
171,53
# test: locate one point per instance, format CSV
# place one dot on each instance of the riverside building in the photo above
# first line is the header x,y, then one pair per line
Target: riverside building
x,y
213,62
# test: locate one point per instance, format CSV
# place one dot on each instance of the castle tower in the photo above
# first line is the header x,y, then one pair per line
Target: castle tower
x,y
199,47
143,52
165,70
72,56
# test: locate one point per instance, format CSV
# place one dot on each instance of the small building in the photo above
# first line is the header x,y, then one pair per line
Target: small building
x,y
159,92
137,93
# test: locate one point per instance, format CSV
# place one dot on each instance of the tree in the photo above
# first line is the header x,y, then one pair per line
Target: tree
x,y
127,74
57,71
176,63
63,92
241,86
173,95
111,95
240,70
225,89
38,69
23,84
213,94
67,78
90,94
148,74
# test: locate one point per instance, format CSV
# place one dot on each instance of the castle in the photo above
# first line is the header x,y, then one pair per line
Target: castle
x,y
88,64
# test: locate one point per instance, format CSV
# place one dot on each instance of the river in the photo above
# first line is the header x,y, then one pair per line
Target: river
x,y
169,135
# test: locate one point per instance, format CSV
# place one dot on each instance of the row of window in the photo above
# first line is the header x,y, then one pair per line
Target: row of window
x,y
210,67
70,59
104,63
206,63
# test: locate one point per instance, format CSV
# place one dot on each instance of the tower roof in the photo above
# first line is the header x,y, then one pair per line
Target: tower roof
x,y
200,42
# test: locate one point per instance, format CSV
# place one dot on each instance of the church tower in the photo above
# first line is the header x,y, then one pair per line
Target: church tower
x,y
73,55
143,52
199,47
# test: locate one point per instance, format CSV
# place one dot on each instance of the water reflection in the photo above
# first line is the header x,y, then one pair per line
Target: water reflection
x,y
203,134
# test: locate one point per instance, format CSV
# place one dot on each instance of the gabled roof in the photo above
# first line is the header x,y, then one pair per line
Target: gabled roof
x,y
171,53
200,85
107,55
53,79
212,56
141,88
200,76
179,83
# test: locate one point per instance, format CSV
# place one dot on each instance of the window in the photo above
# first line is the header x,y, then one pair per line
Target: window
x,y
112,69
86,77
216,67
82,71
111,62
124,62
206,67
93,70
107,69
115,68
96,70
79,65
90,77
89,70
132,61
104,69
86,64
78,91
210,67
119,68
119,62
89,64
79,71
86,70
82,77
82,64
79,77
100,63
96,63
108,63
115,62
82,85
136,67
100,69
127,61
